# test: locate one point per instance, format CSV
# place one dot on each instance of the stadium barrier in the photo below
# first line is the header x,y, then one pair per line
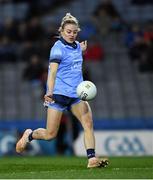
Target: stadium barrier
x,y
114,137
119,143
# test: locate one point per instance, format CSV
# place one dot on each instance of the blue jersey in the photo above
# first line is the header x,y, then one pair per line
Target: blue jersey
x,y
69,73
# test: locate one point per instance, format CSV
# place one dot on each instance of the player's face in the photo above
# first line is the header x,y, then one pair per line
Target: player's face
x,y
70,32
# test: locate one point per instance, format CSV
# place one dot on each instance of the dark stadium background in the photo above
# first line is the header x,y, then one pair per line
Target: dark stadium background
x,y
119,61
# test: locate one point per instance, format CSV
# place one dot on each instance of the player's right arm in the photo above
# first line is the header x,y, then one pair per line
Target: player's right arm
x,y
54,61
51,81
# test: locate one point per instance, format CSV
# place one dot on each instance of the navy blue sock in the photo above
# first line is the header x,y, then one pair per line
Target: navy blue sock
x,y
90,153
30,137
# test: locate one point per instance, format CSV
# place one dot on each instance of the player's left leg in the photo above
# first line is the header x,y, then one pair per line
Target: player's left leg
x,y
83,113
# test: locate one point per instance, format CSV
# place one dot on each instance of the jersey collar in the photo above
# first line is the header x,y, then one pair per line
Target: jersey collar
x,y
73,45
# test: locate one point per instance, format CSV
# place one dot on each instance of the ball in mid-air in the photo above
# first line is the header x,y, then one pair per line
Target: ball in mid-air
x,y
86,90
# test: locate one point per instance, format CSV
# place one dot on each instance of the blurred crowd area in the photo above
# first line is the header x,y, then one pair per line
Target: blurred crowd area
x,y
114,29
22,32
25,35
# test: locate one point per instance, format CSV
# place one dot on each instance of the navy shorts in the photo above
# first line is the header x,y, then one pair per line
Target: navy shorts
x,y
62,102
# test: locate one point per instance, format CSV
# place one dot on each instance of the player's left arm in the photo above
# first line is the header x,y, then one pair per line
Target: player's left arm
x,y
83,45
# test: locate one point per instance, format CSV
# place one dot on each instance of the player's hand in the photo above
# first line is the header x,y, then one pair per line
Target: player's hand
x,y
83,45
48,98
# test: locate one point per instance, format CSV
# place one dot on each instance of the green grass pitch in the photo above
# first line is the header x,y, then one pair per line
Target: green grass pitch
x,y
74,168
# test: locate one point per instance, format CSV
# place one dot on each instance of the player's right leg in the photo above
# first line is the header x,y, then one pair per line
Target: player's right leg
x,y
52,126
21,144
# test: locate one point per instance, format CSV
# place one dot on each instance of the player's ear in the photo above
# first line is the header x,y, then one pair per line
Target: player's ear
x,y
60,29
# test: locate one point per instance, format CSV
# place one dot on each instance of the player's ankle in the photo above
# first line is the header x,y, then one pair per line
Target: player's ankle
x,y
30,138
90,153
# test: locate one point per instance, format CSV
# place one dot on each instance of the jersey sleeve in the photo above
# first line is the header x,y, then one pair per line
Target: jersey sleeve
x,y
55,54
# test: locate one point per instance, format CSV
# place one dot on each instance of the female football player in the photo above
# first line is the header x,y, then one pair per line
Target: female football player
x,y
64,75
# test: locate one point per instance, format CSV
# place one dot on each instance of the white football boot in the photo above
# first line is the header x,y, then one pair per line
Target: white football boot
x,y
97,162
22,143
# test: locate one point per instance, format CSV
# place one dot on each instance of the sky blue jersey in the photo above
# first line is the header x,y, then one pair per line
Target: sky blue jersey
x,y
69,73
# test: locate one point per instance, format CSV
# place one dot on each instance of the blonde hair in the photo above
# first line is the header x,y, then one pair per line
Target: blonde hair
x,y
68,19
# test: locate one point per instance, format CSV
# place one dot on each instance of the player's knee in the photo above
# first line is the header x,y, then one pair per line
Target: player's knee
x,y
50,135
88,125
